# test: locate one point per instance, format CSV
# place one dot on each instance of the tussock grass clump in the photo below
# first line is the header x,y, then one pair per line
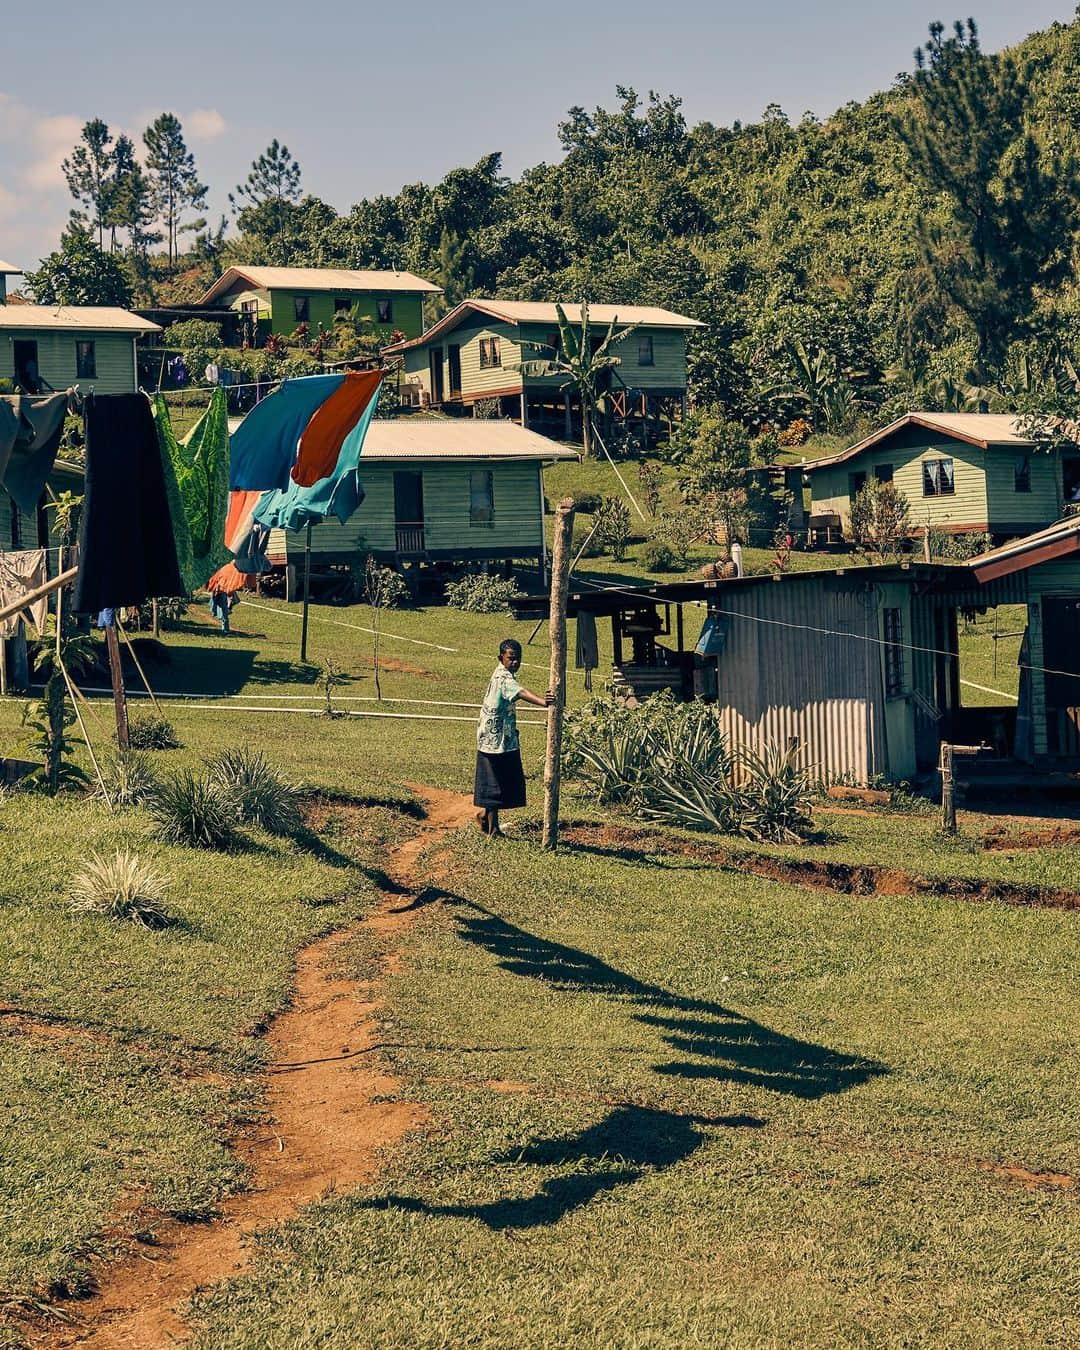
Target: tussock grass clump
x,y
194,810
121,887
151,732
260,794
130,779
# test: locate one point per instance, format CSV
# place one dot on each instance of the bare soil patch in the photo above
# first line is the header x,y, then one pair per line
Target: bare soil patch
x,y
1058,836
846,878
1030,1181
332,1110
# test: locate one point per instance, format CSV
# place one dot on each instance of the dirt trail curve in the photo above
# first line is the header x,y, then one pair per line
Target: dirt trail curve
x,y
325,1130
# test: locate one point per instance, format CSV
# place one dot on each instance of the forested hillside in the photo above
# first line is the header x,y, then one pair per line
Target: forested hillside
x,y
914,249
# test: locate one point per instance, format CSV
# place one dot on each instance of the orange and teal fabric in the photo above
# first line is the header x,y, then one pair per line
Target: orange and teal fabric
x,y
226,580
264,446
244,536
338,494
322,439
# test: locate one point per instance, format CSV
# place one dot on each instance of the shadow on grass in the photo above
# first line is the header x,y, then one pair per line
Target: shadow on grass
x,y
726,1044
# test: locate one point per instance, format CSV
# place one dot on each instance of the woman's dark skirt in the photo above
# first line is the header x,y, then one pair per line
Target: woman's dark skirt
x,y
500,781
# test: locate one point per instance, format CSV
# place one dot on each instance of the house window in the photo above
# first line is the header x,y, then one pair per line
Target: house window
x,y
489,353
301,308
482,497
894,653
937,478
85,361
342,304
644,351
883,473
385,310
1022,474
554,341
856,483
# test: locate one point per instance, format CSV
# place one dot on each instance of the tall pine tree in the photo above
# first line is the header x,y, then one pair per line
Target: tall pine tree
x,y
171,166
88,172
270,192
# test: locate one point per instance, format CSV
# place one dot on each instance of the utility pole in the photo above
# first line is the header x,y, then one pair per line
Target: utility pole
x,y
307,592
562,546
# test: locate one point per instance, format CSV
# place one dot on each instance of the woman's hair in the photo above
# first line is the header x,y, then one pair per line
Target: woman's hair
x,y
510,645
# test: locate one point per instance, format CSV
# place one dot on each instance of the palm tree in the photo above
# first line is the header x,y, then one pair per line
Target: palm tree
x,y
579,361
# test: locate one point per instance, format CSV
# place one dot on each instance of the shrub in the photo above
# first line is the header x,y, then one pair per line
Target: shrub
x,y
129,778
588,503
959,547
259,793
880,519
650,478
613,526
194,810
587,540
679,530
658,557
480,593
151,732
121,887
671,763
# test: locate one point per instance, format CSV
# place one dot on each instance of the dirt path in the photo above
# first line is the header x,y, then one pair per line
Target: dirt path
x,y
326,1125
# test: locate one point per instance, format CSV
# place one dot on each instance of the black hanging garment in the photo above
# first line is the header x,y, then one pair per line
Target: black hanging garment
x,y
127,550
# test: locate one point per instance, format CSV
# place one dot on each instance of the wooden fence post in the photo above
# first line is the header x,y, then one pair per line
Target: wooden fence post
x,y
119,696
307,593
948,795
562,546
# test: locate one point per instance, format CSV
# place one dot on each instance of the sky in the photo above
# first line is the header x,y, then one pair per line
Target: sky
x,y
369,97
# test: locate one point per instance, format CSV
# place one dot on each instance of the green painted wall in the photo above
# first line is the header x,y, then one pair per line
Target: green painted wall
x,y
517,523
277,309
114,354
985,495
1058,578
667,372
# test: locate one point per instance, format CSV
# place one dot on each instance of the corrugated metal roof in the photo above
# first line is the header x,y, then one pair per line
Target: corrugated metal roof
x,y
9,269
979,429
544,311
95,318
319,279
457,438
1057,540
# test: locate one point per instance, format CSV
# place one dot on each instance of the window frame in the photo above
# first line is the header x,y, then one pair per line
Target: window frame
x,y
644,339
85,369
892,627
384,310
490,355
301,302
1022,473
934,477
342,304
857,479
482,517
884,473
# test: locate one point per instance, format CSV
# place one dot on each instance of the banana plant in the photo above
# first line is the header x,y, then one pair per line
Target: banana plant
x,y
580,364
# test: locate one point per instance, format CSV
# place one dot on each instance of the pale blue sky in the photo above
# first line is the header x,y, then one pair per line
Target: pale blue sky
x,y
369,97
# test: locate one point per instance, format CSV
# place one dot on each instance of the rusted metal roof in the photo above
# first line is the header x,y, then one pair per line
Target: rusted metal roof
x,y
1056,541
544,311
318,279
88,318
979,429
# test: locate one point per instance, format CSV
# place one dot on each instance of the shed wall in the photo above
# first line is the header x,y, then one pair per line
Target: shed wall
x,y
114,357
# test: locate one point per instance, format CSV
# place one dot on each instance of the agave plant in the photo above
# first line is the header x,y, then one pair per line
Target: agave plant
x,y
121,887
260,794
194,810
775,791
129,778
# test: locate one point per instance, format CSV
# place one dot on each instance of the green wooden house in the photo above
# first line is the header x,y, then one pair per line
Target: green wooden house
x,y
277,299
960,472
439,490
474,354
46,347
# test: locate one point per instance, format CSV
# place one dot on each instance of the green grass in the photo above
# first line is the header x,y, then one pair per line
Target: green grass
x,y
656,1009
749,1115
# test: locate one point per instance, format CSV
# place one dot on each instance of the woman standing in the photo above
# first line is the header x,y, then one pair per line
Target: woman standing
x,y
500,780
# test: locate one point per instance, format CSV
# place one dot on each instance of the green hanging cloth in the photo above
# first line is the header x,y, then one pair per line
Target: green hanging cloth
x,y
201,467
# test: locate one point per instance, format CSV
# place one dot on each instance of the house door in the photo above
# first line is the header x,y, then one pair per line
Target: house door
x,y
437,375
26,366
1061,655
409,511
453,360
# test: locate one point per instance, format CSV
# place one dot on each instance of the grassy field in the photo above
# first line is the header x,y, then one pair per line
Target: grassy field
x,y
673,1102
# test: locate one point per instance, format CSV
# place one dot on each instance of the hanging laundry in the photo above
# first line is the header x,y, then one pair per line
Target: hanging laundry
x,y
587,653
10,423
20,573
244,536
325,434
31,456
263,447
339,494
226,580
126,547
200,466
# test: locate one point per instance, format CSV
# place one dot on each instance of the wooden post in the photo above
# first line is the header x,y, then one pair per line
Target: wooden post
x,y
948,796
307,592
562,546
119,697
156,618
524,411
567,420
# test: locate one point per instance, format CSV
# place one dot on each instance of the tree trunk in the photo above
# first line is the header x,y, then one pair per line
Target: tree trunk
x,y
562,548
